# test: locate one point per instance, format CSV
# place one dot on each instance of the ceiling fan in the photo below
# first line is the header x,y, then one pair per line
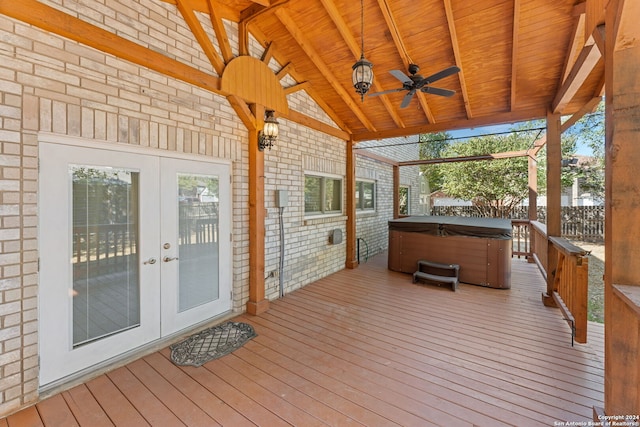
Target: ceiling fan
x,y
415,82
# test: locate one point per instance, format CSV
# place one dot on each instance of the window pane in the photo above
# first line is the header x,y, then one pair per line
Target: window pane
x,y
333,195
105,252
198,228
312,194
368,190
404,200
358,195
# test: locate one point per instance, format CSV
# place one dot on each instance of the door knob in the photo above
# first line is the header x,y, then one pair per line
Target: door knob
x,y
150,261
169,259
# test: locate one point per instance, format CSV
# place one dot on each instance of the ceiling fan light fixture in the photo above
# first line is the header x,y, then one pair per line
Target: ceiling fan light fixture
x,y
362,76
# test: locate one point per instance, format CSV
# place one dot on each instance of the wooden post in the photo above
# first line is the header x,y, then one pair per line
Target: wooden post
x,y
396,191
257,303
533,202
622,210
554,165
351,261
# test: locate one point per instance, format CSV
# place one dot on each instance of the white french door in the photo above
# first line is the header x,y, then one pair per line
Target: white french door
x,y
131,250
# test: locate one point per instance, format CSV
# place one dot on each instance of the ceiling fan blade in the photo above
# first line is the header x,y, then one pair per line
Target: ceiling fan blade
x,y
401,76
438,91
441,74
407,98
384,92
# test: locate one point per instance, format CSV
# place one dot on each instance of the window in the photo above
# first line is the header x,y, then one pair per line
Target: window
x,y
404,200
365,196
322,195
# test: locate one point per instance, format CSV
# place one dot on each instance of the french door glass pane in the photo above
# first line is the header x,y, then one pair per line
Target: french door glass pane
x,y
105,252
198,199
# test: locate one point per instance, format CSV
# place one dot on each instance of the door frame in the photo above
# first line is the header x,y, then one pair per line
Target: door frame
x,y
146,343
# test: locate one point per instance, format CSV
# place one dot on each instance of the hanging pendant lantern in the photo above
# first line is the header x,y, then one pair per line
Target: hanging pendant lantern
x,y
362,75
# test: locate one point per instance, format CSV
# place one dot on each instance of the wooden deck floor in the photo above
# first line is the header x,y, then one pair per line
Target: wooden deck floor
x,y
364,347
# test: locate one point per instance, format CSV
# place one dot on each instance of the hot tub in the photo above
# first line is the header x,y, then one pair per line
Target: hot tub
x,y
480,246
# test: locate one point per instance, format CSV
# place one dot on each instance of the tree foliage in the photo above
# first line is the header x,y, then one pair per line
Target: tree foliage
x,y
496,186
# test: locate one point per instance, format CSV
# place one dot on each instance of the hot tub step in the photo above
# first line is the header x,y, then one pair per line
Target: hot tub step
x,y
437,273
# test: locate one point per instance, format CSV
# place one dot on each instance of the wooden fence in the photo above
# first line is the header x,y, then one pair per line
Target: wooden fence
x,y
584,223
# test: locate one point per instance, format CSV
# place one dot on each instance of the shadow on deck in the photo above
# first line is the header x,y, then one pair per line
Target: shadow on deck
x,y
365,347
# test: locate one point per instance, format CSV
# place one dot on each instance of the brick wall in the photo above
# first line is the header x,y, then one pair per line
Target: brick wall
x,y
50,84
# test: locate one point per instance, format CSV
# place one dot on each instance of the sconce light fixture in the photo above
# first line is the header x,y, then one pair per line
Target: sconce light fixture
x,y
269,134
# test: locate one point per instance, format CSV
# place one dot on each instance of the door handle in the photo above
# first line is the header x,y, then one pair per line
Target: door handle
x,y
169,259
150,261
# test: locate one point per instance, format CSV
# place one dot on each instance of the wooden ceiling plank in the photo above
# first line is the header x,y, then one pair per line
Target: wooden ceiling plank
x,y
201,36
458,57
299,37
352,44
403,53
220,31
515,51
52,20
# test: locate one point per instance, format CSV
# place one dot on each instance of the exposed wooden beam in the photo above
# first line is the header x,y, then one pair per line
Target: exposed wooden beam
x,y
352,44
296,88
577,42
243,111
267,54
515,51
52,20
284,70
494,156
368,154
580,71
202,6
220,31
456,53
201,36
315,124
299,37
402,52
507,117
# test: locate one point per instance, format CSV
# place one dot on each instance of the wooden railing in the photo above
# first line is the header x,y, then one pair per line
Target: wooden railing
x,y
567,274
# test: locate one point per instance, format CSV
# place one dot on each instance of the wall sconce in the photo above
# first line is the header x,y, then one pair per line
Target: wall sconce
x,y
269,134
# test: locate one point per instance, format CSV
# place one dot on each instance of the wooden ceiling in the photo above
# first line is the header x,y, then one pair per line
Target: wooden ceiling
x,y
518,59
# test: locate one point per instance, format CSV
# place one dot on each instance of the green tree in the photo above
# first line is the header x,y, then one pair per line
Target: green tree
x,y
433,146
495,187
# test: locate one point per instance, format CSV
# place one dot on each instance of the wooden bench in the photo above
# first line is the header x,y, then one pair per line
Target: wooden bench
x,y
439,273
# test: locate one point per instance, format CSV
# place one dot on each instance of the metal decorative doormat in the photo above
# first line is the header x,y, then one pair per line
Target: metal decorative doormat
x,y
211,343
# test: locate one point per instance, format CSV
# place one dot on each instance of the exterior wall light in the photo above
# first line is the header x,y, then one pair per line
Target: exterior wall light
x,y
269,134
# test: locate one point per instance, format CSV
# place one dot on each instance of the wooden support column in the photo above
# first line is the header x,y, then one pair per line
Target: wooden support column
x,y
554,191
396,191
533,188
622,209
351,261
257,302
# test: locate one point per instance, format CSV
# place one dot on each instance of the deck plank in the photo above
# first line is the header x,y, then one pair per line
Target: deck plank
x,y
56,412
85,408
364,347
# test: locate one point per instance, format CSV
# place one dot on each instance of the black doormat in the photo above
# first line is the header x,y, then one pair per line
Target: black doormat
x,y
211,343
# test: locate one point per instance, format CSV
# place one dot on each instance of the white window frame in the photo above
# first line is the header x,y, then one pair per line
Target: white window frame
x,y
323,176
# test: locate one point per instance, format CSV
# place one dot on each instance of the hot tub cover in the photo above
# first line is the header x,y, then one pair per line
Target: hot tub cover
x,y
492,228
